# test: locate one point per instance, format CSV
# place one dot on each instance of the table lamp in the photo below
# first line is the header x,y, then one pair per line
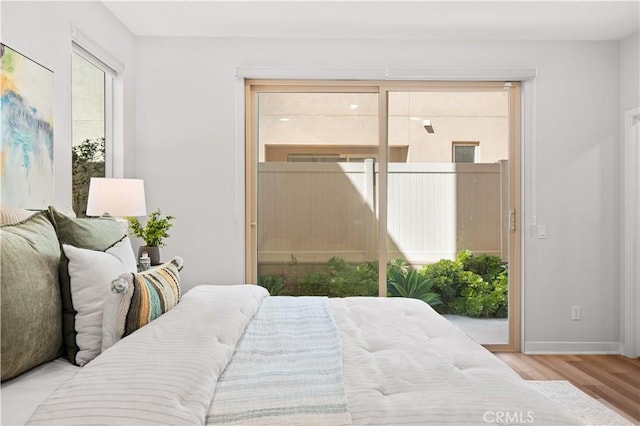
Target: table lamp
x,y
117,197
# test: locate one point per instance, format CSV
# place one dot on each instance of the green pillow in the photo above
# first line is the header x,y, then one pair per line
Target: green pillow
x,y
31,321
88,233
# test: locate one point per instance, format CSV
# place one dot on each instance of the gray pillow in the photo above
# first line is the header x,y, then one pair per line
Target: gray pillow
x,y
31,306
87,233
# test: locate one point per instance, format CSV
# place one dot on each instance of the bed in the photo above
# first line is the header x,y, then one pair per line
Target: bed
x,y
402,363
136,351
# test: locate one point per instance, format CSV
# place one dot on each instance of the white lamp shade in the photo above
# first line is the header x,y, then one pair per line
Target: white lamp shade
x,y
118,197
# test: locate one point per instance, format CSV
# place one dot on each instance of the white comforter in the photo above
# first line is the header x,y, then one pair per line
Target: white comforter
x,y
165,372
403,364
406,364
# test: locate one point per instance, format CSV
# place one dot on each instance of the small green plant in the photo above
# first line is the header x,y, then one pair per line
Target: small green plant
x,y
399,265
274,284
155,231
406,282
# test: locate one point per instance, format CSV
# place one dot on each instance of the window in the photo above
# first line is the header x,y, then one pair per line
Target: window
x,y
465,152
88,127
95,133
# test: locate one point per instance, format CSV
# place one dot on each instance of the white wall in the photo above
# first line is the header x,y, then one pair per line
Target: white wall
x,y
630,222
630,72
187,150
42,31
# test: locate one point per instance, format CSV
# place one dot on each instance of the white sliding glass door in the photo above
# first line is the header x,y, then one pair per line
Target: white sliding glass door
x,y
388,189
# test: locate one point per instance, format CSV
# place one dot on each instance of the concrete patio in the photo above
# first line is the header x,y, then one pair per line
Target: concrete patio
x,y
486,331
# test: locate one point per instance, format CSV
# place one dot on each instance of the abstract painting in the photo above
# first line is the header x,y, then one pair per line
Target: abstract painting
x,y
26,131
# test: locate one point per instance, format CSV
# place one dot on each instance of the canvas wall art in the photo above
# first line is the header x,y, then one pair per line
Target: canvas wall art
x,y
26,131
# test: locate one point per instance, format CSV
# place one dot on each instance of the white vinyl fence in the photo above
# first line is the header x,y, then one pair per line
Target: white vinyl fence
x,y
309,212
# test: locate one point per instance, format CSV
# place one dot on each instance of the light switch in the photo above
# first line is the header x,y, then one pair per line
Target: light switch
x,y
542,231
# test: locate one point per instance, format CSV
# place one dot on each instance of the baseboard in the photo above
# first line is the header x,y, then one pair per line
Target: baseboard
x,y
571,348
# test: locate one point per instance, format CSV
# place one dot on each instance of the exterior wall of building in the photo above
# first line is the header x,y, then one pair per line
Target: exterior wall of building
x,y
339,123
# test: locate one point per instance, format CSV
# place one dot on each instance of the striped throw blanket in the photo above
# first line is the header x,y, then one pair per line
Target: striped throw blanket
x,y
287,369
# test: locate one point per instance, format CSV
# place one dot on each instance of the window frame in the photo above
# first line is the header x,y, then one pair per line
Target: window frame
x,y
113,68
476,151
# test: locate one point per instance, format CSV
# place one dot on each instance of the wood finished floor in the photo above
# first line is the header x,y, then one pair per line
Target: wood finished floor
x,y
612,379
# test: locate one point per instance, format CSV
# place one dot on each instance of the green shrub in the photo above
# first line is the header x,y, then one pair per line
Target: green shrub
x,y
274,284
500,293
315,284
472,285
483,299
473,300
406,282
341,280
486,265
449,279
369,271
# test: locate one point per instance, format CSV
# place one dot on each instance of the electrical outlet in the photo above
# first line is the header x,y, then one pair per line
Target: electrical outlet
x,y
542,231
575,313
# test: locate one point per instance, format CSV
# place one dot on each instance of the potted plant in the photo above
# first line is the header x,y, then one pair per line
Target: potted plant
x,y
153,234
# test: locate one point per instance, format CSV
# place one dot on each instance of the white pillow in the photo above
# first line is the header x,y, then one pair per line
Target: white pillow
x,y
91,273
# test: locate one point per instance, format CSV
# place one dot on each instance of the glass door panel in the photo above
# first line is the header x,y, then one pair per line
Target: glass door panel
x,y
448,195
316,219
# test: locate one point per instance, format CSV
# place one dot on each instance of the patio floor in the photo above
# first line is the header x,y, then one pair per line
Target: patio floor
x,y
486,331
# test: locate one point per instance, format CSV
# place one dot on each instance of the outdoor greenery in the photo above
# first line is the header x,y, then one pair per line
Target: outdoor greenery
x,y
472,285
342,279
155,231
87,161
274,284
406,282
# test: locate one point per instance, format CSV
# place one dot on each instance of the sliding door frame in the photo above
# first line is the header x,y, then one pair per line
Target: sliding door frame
x,y
382,88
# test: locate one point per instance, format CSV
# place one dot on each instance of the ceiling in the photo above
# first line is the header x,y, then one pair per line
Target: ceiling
x,y
460,20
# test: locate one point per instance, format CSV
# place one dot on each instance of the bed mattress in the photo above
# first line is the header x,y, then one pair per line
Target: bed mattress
x,y
404,364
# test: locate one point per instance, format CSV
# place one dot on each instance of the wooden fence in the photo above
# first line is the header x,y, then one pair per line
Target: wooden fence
x,y
309,212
